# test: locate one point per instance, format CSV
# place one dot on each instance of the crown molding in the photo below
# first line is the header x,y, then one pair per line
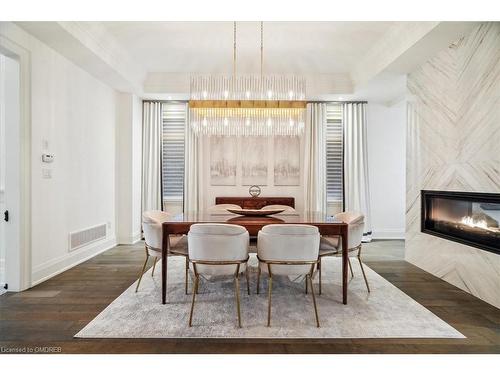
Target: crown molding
x,y
90,46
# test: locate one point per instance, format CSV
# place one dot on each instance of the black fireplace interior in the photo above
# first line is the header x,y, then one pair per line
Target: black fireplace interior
x,y
469,218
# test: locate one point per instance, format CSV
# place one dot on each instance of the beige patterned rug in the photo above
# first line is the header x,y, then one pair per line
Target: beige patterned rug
x,y
386,312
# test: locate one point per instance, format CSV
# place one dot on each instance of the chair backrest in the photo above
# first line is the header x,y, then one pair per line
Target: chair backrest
x,y
356,221
222,208
288,242
279,207
151,226
217,242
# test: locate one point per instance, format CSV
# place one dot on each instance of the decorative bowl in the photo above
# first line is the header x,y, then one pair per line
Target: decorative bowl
x,y
252,212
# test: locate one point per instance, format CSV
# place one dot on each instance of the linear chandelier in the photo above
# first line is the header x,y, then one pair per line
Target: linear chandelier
x,y
247,105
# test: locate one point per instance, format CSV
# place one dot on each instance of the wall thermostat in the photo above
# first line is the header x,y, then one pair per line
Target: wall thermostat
x,y
47,158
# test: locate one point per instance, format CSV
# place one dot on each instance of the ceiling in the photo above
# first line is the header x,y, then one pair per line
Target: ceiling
x,y
207,47
340,60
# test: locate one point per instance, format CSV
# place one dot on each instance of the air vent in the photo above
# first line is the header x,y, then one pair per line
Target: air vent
x,y
86,236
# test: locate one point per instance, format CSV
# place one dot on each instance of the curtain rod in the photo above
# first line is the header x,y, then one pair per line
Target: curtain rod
x,y
308,101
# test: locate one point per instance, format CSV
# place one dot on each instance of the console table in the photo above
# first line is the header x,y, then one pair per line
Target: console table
x,y
256,202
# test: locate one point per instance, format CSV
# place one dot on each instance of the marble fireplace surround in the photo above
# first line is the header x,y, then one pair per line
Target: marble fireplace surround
x,y
453,144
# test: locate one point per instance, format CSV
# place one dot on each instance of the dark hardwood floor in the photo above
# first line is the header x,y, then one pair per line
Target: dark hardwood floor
x,y
48,315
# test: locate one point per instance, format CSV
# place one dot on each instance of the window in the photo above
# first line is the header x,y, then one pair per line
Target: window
x,y
174,120
334,152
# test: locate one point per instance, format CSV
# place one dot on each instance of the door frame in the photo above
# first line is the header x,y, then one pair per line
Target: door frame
x,y
22,278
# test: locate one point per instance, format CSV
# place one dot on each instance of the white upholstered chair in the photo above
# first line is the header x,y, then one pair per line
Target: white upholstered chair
x,y
331,246
153,236
222,208
288,249
218,250
287,209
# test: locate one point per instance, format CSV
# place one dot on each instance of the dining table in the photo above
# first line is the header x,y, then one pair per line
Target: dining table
x,y
327,226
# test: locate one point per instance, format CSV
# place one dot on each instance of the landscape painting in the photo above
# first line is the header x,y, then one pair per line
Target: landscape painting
x,y
223,161
286,161
254,164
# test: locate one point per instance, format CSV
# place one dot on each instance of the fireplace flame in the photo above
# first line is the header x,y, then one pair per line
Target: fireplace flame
x,y
469,221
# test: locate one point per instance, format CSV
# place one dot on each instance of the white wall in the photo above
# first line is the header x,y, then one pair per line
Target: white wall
x,y
73,117
128,168
386,163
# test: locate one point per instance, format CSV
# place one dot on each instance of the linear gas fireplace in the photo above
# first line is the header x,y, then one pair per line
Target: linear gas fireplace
x,y
469,218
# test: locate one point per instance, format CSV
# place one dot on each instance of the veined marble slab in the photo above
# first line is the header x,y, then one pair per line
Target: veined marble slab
x,y
453,143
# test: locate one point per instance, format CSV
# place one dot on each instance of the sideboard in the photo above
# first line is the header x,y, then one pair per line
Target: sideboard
x,y
256,202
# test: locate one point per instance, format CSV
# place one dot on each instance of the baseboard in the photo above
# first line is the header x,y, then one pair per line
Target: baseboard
x,y
388,234
56,266
129,240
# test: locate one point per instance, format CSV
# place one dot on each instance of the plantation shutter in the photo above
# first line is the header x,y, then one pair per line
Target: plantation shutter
x,y
334,152
174,120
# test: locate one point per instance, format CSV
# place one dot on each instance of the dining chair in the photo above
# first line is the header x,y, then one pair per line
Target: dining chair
x,y
153,239
332,246
287,209
223,208
288,249
218,250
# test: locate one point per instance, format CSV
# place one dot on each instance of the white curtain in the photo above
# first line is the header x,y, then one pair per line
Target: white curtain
x,y
356,185
315,158
151,156
193,170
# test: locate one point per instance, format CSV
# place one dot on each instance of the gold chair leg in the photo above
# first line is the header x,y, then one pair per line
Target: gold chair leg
x,y
270,288
350,266
142,272
248,279
154,265
186,276
309,278
319,271
237,295
195,288
363,271
258,279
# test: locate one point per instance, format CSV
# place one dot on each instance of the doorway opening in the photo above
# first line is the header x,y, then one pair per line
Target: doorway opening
x,y
9,171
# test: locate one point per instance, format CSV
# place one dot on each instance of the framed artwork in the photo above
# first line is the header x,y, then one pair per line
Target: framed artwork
x,y
223,161
286,161
254,163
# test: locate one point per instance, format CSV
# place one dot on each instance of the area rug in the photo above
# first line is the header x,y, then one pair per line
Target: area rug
x,y
386,312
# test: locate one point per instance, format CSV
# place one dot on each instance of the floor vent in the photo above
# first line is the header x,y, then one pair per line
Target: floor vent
x,y
86,236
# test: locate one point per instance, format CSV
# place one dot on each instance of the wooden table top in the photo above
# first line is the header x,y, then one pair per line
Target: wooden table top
x,y
326,224
283,218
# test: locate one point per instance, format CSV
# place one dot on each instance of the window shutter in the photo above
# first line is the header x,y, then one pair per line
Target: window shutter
x,y
334,152
174,120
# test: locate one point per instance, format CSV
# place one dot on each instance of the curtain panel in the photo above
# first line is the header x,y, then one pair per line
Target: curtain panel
x,y
315,158
356,184
151,156
193,170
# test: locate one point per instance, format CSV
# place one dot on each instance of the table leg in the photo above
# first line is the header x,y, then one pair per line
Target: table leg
x,y
345,259
164,259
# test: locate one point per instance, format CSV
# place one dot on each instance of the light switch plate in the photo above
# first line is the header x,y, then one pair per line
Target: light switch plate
x,y
46,173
